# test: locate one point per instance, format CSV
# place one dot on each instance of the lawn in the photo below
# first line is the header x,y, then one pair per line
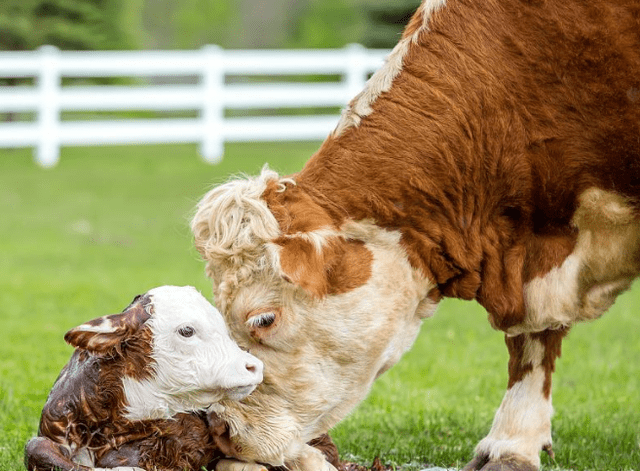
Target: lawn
x,y
80,240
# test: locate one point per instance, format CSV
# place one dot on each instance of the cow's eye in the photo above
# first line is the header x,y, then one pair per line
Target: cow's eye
x,y
263,324
186,331
262,320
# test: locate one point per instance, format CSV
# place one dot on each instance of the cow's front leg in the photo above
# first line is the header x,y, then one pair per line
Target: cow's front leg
x,y
522,425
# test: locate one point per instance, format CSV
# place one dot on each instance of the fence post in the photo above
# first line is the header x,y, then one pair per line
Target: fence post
x,y
356,69
48,147
212,145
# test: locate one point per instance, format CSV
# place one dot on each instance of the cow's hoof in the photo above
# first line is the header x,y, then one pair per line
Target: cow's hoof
x,y
506,463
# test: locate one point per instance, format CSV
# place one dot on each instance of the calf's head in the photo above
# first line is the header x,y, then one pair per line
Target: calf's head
x,y
326,303
176,350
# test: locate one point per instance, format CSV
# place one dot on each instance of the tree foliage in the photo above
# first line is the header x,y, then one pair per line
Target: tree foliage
x,y
200,22
186,24
327,23
386,20
67,24
334,23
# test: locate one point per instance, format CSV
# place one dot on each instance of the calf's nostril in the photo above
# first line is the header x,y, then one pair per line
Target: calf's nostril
x,y
254,368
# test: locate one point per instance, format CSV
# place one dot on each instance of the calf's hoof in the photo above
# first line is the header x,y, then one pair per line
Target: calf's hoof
x,y
506,463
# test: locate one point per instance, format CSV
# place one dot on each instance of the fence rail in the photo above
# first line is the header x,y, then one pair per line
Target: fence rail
x,y
225,80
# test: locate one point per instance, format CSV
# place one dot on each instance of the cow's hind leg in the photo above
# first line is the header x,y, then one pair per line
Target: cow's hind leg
x,y
522,425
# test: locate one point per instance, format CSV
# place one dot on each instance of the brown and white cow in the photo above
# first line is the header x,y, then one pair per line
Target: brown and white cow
x,y
496,157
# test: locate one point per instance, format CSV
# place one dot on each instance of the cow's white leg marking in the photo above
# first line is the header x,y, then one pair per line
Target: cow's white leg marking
x,y
522,425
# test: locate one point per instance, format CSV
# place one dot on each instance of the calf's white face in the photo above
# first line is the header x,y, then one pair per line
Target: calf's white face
x,y
177,353
195,361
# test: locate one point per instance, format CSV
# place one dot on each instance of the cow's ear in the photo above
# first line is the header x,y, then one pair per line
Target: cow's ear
x,y
333,266
107,333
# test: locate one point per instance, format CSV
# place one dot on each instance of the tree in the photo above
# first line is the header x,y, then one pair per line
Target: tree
x,y
386,20
328,23
200,22
67,24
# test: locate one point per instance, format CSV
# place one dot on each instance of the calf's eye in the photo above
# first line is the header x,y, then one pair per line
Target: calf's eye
x,y
186,331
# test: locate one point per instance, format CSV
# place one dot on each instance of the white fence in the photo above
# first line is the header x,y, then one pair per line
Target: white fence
x,y
211,96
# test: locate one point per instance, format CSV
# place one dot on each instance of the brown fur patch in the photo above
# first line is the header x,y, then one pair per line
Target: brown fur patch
x,y
520,366
88,395
104,334
295,209
339,267
552,341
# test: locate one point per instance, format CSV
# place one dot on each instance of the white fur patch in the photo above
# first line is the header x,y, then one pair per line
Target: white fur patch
x,y
231,226
382,80
105,327
605,261
522,424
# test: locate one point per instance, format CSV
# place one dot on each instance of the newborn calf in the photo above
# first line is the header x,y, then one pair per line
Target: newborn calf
x,y
136,387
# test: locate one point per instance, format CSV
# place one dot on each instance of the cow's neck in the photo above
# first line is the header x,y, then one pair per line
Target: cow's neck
x,y
404,188
424,163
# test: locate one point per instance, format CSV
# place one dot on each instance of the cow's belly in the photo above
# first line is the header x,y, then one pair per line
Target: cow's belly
x,y
605,261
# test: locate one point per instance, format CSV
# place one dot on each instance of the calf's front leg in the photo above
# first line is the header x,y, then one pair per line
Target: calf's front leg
x,y
43,454
522,425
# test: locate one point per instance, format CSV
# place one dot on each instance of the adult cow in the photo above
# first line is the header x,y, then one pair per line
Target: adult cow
x,y
496,157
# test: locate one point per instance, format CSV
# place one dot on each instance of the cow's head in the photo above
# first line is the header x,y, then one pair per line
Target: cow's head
x,y
327,303
177,353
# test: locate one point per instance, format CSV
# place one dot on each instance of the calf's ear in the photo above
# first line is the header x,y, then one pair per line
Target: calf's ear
x,y
337,266
107,333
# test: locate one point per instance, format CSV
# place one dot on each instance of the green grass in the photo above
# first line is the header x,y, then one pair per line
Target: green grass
x,y
80,240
